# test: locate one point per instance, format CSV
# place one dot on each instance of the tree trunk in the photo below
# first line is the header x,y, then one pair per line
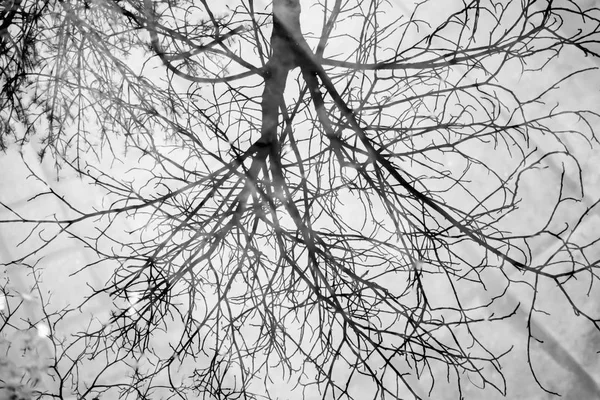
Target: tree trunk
x,y
285,40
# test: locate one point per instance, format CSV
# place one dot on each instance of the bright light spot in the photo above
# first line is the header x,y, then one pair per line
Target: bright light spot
x,y
43,330
134,298
2,302
26,296
286,150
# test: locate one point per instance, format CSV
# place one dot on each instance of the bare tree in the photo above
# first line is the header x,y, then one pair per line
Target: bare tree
x,y
298,194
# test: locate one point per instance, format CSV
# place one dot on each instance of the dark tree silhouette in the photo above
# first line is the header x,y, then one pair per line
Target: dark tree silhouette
x,y
320,211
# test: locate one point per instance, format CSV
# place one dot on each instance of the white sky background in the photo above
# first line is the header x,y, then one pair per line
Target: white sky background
x,y
13,191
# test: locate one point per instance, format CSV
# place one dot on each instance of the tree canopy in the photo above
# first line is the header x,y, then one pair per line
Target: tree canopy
x,y
317,199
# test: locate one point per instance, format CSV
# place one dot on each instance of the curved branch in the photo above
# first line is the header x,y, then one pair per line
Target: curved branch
x,y
166,60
